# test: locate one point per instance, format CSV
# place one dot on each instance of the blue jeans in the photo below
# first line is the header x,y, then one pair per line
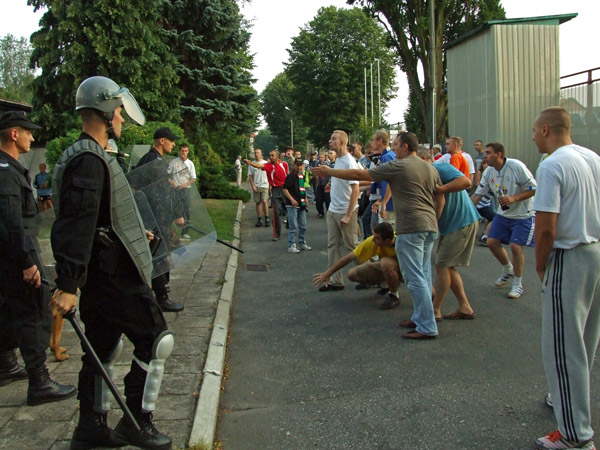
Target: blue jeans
x,y
414,257
296,218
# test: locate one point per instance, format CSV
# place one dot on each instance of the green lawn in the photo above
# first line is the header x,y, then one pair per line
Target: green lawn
x,y
222,213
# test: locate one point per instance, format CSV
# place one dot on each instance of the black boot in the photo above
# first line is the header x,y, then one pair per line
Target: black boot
x,y
167,305
148,437
42,389
93,432
9,369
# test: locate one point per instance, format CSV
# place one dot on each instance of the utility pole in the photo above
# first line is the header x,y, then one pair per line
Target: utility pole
x,y
291,125
379,92
432,59
366,96
372,94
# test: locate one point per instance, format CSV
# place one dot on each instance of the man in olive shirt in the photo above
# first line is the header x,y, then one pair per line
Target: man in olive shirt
x,y
413,183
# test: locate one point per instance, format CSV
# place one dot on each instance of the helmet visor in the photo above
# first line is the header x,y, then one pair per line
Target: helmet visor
x,y
130,105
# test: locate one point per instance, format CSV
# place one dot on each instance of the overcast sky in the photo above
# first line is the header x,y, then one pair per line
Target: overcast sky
x,y
276,22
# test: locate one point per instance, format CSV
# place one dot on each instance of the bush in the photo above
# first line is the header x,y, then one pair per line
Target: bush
x,y
212,184
211,181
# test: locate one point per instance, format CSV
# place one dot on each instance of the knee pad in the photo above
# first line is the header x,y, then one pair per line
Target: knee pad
x,y
162,348
102,393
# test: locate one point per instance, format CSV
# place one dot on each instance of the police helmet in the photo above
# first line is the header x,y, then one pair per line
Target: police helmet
x,y
103,94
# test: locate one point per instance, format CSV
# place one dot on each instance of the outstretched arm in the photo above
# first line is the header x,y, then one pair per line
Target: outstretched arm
x,y
253,164
320,278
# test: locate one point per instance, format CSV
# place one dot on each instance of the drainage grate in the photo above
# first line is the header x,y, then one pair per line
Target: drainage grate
x,y
256,267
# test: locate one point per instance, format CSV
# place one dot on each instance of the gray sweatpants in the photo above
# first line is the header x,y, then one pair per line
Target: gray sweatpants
x,y
570,334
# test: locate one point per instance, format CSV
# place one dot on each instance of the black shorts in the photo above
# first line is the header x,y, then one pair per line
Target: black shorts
x,y
43,198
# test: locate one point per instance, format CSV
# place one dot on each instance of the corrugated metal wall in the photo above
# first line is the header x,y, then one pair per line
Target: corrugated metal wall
x,y
498,81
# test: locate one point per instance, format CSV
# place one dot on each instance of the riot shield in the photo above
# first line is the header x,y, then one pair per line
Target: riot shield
x,y
184,227
137,151
44,221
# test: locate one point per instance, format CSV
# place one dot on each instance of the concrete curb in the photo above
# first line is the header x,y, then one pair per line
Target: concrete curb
x,y
205,419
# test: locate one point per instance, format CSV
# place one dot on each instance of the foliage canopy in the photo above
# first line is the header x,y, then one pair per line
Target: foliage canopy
x,y
326,66
408,23
15,74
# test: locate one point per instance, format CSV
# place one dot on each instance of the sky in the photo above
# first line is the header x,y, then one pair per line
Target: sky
x,y
276,22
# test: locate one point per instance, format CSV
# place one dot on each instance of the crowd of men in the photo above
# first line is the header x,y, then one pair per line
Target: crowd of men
x,y
442,197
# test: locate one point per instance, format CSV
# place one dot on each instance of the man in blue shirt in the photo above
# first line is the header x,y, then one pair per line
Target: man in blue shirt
x,y
42,183
458,226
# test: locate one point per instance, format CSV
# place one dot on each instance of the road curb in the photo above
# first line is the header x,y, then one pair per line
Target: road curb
x,y
205,418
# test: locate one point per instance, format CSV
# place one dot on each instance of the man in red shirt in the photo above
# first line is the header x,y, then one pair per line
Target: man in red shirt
x,y
277,171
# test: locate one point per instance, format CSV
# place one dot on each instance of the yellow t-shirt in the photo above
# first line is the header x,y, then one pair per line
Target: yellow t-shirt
x,y
367,249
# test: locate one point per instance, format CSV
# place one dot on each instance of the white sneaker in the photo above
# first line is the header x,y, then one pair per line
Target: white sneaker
x,y
504,279
516,291
293,249
305,247
556,441
186,236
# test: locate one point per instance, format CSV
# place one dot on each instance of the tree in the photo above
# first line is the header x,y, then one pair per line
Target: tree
x,y
413,119
278,107
120,40
15,74
407,24
265,141
211,41
326,67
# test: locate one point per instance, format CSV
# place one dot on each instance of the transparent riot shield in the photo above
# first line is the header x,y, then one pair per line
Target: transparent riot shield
x,y
45,220
183,224
137,151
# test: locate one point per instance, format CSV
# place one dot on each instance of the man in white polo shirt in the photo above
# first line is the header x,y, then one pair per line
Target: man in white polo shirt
x,y
184,176
567,260
343,210
260,188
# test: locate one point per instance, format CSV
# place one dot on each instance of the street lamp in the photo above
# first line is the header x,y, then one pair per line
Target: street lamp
x,y
291,125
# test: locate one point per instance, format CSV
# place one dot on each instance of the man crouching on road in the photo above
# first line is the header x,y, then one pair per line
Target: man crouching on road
x,y
413,183
381,244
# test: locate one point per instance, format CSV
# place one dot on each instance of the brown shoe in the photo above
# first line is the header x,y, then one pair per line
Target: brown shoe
x,y
459,315
416,335
408,324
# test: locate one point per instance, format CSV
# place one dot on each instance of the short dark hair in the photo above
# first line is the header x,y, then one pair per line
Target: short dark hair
x,y
497,147
409,139
385,230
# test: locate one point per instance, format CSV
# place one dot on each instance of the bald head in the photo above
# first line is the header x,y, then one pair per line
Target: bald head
x,y
552,129
557,119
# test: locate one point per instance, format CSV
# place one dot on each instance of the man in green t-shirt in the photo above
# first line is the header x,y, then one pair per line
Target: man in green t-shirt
x,y
381,244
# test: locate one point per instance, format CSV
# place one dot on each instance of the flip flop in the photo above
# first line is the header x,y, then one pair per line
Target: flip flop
x,y
459,315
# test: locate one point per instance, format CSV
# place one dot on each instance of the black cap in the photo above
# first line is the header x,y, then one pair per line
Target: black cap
x,y
299,161
165,132
16,119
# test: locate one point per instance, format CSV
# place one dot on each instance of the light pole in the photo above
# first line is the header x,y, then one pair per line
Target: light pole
x,y
291,125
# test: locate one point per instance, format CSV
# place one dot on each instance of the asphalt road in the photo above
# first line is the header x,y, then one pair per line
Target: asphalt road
x,y
313,370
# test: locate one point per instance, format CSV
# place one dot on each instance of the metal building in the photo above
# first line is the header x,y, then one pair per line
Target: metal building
x,y
499,77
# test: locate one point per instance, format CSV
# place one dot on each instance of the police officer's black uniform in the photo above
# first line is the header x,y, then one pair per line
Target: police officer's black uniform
x,y
161,282
25,317
114,298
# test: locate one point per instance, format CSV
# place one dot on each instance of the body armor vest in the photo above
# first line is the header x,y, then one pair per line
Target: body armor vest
x,y
125,219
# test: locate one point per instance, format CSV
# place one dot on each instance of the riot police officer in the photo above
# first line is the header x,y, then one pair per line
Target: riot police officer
x,y
101,248
164,141
25,317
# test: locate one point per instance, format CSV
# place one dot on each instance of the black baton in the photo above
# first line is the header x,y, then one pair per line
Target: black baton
x,y
70,316
218,240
